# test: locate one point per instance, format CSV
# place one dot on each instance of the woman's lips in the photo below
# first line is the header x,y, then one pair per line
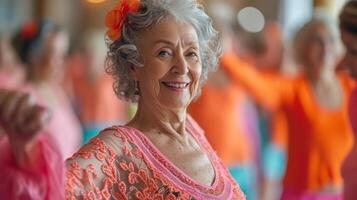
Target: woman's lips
x,y
177,86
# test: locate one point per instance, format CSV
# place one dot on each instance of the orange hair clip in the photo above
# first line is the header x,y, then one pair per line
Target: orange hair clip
x,y
115,18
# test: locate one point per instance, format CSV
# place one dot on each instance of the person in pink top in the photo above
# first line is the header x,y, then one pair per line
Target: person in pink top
x,y
160,52
31,165
348,28
42,47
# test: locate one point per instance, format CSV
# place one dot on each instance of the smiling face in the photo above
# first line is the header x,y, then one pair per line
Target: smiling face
x,y
172,66
350,59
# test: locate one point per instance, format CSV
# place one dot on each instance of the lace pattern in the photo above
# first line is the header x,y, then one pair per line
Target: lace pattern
x,y
121,164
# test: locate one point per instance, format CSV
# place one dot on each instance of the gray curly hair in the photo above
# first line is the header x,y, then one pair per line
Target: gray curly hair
x,y
123,53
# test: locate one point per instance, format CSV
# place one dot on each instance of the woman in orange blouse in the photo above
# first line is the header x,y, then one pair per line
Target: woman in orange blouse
x,y
315,104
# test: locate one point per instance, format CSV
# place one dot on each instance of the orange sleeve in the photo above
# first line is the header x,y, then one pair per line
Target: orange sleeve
x,y
267,91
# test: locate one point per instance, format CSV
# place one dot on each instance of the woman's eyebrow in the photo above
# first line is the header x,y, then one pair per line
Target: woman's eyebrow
x,y
164,41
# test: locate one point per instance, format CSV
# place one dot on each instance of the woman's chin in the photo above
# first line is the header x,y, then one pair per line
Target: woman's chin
x,y
177,105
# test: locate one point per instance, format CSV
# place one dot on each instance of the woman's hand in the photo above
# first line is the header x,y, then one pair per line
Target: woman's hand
x,y
21,119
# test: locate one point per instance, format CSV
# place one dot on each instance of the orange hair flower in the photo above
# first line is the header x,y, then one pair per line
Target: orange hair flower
x,y
115,18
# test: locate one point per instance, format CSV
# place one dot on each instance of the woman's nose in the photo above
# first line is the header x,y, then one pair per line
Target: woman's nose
x,y
180,66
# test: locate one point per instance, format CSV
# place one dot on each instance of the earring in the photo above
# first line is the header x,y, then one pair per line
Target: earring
x,y
136,86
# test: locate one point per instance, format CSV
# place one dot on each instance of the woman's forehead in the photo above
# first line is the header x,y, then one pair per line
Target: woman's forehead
x,y
170,30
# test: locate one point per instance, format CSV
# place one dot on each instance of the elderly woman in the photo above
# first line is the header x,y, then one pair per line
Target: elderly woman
x,y
159,52
348,28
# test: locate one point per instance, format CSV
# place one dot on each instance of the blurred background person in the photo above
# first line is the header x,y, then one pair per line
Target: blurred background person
x,y
31,164
42,47
91,88
265,51
315,105
11,73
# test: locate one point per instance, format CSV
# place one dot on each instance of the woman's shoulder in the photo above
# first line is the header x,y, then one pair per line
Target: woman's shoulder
x,y
95,166
109,141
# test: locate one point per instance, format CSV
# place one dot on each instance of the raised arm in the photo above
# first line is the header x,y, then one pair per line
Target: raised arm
x,y
267,91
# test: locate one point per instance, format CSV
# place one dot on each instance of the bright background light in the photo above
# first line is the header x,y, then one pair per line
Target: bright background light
x,y
251,19
95,1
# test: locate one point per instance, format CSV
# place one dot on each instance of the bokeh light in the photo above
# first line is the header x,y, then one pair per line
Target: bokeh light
x,y
251,19
95,1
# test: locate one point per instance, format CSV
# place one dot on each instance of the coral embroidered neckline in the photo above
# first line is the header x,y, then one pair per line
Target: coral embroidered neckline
x,y
174,170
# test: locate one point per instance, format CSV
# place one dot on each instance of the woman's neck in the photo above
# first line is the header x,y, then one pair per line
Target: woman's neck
x,y
157,119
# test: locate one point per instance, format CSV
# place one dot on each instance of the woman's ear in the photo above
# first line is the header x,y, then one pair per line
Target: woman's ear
x,y
133,72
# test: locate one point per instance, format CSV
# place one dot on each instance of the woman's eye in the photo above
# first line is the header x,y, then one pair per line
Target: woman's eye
x,y
192,55
164,53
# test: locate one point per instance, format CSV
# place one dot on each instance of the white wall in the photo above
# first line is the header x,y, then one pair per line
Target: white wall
x,y
294,14
64,12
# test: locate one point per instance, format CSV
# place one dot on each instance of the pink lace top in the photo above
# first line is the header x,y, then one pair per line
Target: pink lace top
x,y
122,163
